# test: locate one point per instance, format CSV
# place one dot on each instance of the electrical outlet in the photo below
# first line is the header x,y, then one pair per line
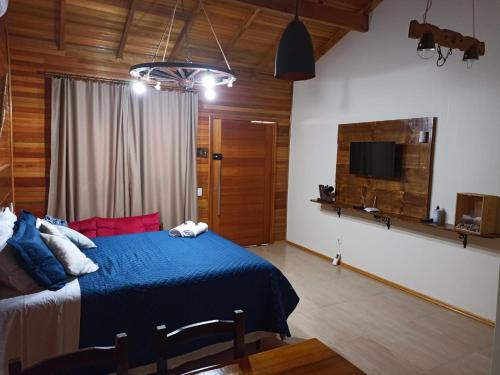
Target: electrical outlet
x,y
199,192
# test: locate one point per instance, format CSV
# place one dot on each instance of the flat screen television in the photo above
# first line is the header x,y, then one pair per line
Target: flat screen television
x,y
375,159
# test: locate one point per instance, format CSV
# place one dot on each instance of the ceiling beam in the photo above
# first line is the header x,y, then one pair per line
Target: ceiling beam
x,y
332,15
61,24
185,29
240,32
128,23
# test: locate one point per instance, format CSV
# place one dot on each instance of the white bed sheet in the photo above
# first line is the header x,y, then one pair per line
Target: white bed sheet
x,y
37,326
41,325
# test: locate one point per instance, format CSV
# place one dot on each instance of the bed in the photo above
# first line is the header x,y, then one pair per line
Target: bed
x,y
145,280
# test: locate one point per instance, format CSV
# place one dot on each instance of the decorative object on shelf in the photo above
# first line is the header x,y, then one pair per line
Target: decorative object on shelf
x,y
295,56
373,208
476,213
438,215
326,193
432,39
184,75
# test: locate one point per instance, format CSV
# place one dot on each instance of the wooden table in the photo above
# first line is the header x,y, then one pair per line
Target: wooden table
x,y
308,357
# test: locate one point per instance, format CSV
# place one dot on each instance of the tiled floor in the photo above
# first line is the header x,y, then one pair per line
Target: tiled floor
x,y
378,328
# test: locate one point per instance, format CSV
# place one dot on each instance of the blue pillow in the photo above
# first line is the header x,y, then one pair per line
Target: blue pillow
x,y
27,217
34,256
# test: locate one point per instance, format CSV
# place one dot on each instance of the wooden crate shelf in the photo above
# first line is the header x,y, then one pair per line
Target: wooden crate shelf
x,y
477,210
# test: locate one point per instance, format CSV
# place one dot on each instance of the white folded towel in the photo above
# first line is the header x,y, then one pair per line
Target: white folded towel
x,y
177,231
195,231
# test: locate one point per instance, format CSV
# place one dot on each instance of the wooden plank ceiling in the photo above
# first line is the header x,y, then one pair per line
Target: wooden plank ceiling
x,y
248,30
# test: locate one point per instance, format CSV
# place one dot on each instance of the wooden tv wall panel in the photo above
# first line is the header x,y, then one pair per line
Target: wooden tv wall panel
x,y
408,196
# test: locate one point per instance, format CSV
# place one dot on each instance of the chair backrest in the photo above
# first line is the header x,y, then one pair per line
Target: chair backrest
x,y
167,341
82,359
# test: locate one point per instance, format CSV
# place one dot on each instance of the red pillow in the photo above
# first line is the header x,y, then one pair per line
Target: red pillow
x,y
87,227
128,225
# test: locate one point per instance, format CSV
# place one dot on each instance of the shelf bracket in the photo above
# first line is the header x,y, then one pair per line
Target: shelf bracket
x,y
464,238
384,219
387,221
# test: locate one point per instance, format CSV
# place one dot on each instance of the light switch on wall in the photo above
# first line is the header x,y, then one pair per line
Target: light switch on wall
x,y
199,192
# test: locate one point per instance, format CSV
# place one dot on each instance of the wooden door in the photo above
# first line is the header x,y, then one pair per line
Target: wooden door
x,y
242,180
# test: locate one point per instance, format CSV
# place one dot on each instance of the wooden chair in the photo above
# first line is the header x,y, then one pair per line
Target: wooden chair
x,y
79,360
167,341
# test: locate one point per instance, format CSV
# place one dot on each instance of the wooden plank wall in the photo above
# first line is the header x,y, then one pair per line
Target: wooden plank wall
x,y
6,190
408,195
252,97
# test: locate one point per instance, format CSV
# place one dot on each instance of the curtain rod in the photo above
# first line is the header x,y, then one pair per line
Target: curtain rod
x,y
85,78
97,79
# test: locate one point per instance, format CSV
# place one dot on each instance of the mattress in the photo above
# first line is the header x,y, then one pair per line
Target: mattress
x,y
36,326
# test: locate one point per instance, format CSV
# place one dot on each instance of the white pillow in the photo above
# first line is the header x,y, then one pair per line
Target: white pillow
x,y
80,240
12,275
7,217
6,232
46,227
73,260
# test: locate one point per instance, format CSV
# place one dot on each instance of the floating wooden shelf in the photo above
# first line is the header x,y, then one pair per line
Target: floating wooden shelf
x,y
387,218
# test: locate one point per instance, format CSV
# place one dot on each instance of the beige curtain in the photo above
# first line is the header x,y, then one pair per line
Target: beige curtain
x,y
162,155
115,153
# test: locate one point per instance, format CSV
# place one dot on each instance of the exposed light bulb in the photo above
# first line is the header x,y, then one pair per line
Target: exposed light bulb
x,y
426,48
139,87
426,54
469,63
158,86
210,94
471,55
208,81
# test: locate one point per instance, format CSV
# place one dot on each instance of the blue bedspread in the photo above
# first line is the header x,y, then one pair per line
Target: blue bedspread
x,y
150,279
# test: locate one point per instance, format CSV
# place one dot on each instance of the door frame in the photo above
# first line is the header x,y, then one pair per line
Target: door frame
x,y
211,203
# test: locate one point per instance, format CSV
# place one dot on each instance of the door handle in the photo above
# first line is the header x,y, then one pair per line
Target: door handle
x,y
219,189
219,157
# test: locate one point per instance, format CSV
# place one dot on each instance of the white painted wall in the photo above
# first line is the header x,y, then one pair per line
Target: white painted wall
x,y
378,76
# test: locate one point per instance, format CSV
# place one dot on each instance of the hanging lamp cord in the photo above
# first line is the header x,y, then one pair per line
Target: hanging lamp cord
x,y
427,9
474,18
297,9
188,44
215,36
168,28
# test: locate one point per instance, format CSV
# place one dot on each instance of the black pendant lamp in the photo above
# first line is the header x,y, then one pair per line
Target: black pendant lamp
x,y
295,57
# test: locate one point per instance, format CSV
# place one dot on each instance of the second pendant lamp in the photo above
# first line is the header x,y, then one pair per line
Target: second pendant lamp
x,y
295,56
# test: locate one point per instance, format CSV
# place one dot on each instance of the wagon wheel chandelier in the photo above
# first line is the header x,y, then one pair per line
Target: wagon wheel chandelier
x,y
185,75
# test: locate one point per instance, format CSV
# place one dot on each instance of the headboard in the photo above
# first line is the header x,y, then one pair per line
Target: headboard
x,y
409,195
